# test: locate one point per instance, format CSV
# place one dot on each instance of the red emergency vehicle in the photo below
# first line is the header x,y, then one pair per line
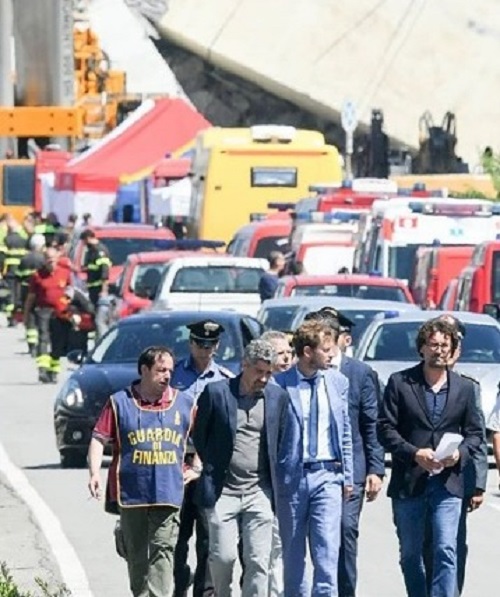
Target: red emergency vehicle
x,y
121,240
260,237
479,283
434,268
353,285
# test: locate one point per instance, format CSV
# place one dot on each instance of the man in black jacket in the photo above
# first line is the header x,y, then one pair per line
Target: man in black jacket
x,y
420,405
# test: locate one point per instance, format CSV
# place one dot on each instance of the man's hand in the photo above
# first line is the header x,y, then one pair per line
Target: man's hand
x,y
426,459
451,460
476,501
95,486
190,475
348,490
373,486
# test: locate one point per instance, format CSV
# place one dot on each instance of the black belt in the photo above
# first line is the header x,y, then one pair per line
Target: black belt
x,y
327,465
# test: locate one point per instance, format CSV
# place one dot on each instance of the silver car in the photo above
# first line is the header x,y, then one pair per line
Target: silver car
x,y
388,345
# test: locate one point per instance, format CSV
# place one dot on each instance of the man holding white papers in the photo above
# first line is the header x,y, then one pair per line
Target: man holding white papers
x,y
420,405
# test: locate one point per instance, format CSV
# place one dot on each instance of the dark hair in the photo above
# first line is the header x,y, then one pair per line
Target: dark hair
x,y
149,356
86,234
72,218
310,333
274,257
434,326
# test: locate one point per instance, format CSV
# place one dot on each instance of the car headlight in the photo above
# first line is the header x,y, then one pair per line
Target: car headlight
x,y
71,394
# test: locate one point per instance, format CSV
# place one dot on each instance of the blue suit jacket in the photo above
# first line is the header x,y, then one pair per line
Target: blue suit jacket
x,y
290,450
215,429
368,454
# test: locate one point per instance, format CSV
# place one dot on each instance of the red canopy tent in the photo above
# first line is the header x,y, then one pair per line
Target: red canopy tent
x,y
152,132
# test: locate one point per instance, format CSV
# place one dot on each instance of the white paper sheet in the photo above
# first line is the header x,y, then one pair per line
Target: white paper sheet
x,y
446,447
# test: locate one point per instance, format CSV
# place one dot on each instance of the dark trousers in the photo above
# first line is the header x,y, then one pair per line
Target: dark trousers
x,y
348,570
192,518
462,549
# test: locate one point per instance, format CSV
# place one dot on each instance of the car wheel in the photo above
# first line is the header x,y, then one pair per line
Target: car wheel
x,y
73,459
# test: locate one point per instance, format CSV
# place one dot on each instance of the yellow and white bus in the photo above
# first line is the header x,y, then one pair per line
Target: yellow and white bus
x,y
236,172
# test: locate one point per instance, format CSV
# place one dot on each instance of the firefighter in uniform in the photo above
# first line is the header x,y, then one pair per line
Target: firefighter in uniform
x,y
48,295
15,247
97,265
191,375
30,263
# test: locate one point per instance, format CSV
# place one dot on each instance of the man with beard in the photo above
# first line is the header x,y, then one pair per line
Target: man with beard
x,y
420,405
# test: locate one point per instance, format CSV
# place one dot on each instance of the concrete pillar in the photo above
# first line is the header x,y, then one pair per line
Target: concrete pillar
x,y
6,66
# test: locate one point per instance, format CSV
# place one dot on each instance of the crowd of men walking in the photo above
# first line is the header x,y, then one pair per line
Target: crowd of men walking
x,y
39,286
283,456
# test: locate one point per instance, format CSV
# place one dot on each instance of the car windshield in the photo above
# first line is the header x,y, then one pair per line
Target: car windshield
x,y
396,342
146,276
377,293
208,279
120,248
279,317
124,343
271,243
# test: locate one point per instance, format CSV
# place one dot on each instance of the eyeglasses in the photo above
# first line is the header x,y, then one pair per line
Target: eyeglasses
x,y
436,346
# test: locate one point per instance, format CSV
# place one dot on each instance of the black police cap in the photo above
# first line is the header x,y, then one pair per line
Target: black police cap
x,y
345,324
205,332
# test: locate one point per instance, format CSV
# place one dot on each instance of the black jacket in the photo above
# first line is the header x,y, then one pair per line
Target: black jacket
x,y
367,453
405,426
215,429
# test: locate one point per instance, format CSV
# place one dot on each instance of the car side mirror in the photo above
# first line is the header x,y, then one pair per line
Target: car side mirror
x,y
75,356
492,310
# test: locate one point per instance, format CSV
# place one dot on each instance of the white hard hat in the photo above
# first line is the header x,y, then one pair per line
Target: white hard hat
x,y
37,241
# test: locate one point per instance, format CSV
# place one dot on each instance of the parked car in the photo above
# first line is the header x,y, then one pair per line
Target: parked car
x,y
112,365
142,272
360,311
388,345
345,285
287,313
211,282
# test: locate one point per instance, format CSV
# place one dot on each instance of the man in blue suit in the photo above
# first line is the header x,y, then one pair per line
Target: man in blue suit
x,y
368,454
238,426
314,472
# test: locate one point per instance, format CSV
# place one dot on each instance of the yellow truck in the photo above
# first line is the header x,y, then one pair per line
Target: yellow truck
x,y
237,171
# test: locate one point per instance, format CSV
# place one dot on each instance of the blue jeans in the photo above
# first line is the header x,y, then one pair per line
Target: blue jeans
x,y
409,514
313,513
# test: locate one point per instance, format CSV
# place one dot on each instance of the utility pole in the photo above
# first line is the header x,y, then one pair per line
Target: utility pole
x,y
349,121
6,67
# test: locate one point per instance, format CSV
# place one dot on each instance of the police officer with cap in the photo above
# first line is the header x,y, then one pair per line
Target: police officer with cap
x,y
191,375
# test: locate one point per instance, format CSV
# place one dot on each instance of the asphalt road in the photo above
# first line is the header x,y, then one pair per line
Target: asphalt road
x,y
26,433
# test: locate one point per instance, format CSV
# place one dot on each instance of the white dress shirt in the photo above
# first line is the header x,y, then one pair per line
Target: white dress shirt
x,y
325,451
